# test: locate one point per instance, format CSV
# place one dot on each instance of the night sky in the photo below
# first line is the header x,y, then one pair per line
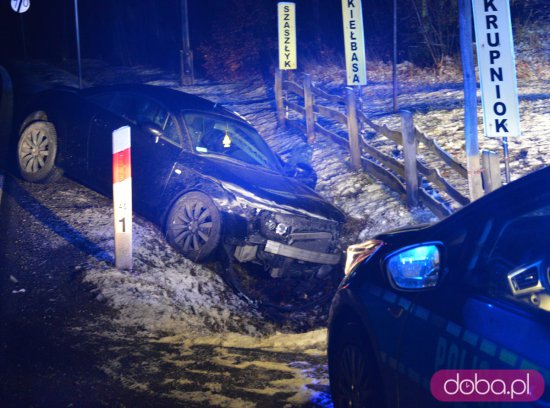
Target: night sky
x,y
149,32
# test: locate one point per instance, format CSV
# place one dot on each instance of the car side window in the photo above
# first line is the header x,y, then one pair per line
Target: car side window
x,y
218,135
139,109
517,264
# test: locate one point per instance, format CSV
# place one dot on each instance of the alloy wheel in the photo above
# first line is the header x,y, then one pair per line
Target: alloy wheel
x,y
34,150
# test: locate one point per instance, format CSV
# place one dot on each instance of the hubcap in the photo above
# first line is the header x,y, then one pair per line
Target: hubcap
x,y
192,226
35,148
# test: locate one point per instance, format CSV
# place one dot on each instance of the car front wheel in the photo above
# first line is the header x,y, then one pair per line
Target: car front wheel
x,y
354,378
194,226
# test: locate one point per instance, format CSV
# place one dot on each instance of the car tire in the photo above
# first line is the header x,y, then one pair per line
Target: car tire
x,y
354,376
33,117
37,152
194,226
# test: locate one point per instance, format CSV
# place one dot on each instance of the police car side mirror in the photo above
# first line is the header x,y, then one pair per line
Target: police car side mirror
x,y
415,268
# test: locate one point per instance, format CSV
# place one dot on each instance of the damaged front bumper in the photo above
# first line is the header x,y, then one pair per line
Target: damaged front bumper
x,y
277,248
291,245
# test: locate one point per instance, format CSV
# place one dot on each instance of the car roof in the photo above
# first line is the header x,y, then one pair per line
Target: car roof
x,y
173,99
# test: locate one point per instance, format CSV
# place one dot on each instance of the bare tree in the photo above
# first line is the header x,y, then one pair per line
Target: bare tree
x,y
438,23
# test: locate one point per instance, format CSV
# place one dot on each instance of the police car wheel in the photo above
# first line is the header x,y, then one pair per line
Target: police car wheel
x,y
354,377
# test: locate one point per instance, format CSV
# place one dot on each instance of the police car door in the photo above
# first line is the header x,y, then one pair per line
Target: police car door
x,y
491,310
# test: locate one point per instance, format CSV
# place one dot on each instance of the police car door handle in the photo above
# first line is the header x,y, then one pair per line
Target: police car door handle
x,y
396,311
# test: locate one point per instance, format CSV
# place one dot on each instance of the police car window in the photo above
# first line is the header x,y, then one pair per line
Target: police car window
x,y
518,265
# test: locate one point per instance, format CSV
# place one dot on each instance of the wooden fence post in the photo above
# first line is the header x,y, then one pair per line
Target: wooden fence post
x,y
279,98
308,102
491,171
409,153
353,129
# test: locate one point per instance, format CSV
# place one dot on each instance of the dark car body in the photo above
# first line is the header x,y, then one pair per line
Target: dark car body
x,y
469,292
246,182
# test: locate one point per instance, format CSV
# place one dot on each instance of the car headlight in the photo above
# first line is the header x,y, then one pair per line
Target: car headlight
x,y
274,225
357,253
281,229
271,225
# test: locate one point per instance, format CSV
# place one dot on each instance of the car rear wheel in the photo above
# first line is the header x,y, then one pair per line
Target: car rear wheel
x,y
354,377
194,226
37,151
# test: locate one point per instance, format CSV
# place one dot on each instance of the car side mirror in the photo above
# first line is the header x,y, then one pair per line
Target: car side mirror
x,y
152,129
417,267
305,173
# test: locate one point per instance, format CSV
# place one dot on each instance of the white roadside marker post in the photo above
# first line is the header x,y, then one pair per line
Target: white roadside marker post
x,y
122,197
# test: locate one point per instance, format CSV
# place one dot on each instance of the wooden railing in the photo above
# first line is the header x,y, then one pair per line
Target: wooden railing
x,y
394,173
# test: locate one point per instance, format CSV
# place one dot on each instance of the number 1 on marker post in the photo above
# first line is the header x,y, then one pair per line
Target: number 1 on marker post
x,y
122,197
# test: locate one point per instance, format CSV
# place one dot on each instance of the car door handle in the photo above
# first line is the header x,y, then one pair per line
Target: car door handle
x,y
395,311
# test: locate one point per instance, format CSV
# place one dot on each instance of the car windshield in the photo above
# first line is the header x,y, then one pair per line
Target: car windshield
x,y
218,135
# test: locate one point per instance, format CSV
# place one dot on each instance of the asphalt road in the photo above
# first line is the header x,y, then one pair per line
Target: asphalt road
x,y
42,362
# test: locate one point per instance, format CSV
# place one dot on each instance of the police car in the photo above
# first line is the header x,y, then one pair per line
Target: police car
x,y
469,292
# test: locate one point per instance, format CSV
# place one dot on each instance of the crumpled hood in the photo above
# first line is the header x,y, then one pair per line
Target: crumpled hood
x,y
268,190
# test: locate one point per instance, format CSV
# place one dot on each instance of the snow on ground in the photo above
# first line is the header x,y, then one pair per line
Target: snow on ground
x,y
219,344
298,358
165,293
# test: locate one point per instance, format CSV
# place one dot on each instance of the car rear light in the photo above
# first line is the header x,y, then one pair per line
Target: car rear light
x,y
357,253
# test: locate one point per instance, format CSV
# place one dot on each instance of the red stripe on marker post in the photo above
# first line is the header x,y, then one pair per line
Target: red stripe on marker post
x,y
122,166
122,197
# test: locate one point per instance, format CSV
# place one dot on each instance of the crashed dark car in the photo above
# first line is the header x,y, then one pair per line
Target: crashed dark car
x,y
200,171
470,292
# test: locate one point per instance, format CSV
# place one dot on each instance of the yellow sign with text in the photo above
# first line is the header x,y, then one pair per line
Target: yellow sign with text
x,y
286,12
356,68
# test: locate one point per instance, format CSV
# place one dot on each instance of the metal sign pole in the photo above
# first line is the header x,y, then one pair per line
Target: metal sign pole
x,y
470,100
394,62
360,97
24,39
186,55
506,159
78,44
20,7
1,186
